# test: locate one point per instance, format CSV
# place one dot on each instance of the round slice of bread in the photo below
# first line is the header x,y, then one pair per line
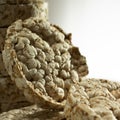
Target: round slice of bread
x,y
42,62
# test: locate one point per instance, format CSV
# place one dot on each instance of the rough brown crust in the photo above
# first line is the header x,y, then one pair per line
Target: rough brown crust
x,y
11,13
2,37
46,69
32,113
93,99
38,59
10,96
3,71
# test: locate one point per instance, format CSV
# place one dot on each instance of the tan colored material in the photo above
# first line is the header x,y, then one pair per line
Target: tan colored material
x,y
46,69
32,113
10,96
40,59
93,99
11,13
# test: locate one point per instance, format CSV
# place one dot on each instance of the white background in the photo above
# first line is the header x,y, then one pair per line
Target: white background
x,y
95,25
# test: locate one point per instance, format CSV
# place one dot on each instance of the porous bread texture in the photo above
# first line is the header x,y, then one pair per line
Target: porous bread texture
x,y
11,10
46,68
42,62
10,96
93,99
10,13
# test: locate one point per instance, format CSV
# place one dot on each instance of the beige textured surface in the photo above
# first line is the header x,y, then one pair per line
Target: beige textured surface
x,y
40,59
32,113
11,13
45,68
93,99
10,96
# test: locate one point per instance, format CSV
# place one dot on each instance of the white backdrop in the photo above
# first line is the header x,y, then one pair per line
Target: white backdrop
x,y
95,25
